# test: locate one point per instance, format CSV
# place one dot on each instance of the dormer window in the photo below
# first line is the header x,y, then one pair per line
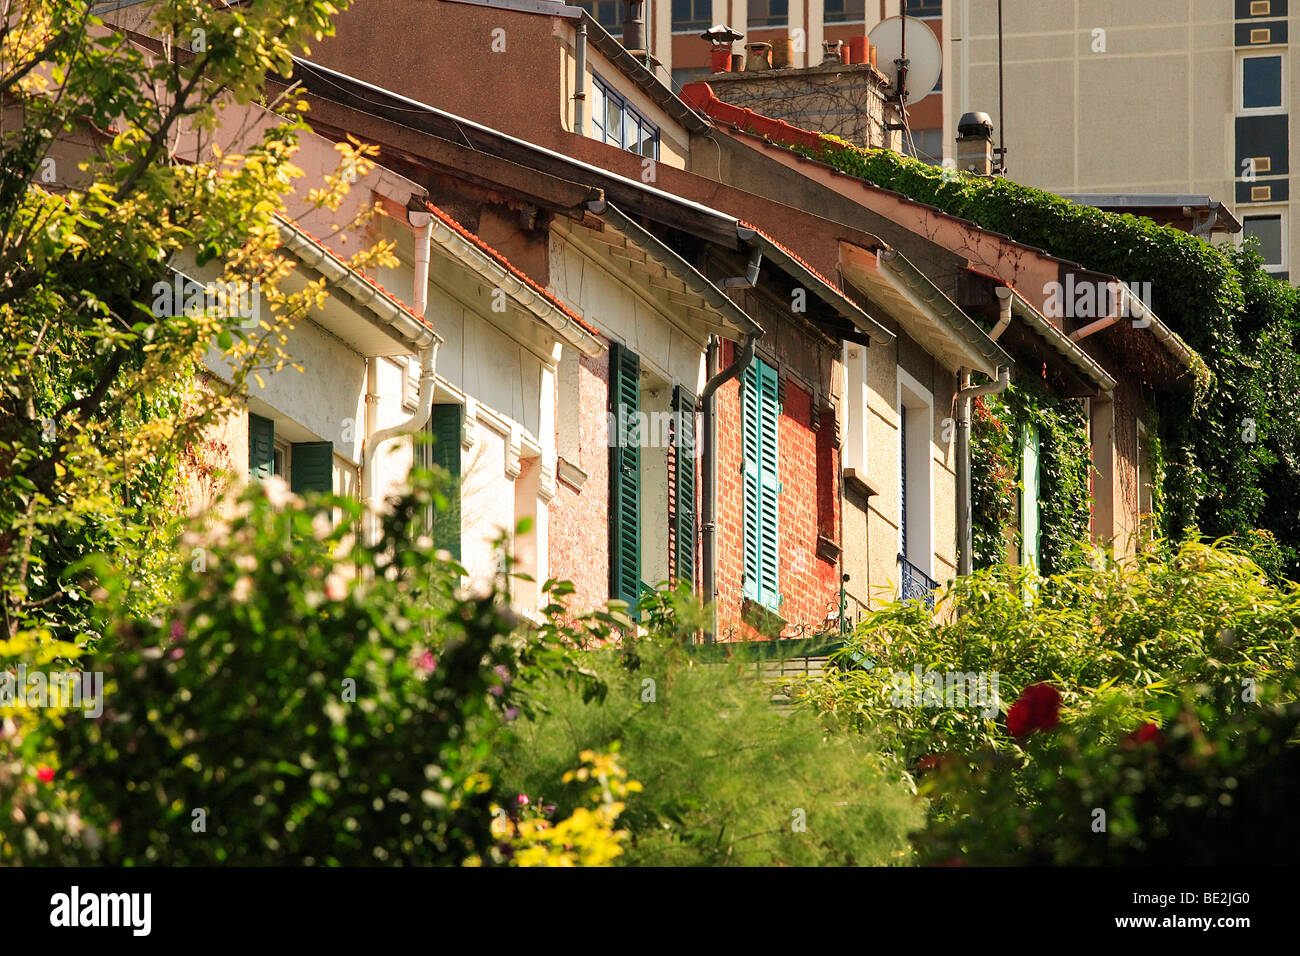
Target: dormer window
x,y
615,121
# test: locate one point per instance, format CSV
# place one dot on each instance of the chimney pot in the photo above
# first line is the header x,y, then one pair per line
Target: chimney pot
x,y
975,144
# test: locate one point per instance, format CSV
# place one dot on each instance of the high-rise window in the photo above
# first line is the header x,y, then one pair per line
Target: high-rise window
x,y
1268,230
608,13
1261,82
692,16
768,13
845,11
925,9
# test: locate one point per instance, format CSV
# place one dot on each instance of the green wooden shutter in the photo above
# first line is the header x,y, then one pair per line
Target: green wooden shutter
x,y
1029,500
684,484
624,476
760,412
261,447
311,467
750,405
770,596
447,426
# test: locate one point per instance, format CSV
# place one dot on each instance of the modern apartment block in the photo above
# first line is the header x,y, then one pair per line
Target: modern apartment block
x,y
1184,97
679,54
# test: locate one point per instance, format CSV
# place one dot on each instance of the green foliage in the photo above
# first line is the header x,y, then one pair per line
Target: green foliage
x,y
1217,786
1064,465
728,778
94,410
318,702
1232,453
1115,636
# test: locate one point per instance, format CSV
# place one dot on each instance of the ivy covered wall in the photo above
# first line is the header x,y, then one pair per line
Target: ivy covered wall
x,y
1231,455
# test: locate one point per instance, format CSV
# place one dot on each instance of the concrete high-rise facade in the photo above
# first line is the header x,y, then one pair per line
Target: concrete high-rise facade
x,y
1110,97
673,29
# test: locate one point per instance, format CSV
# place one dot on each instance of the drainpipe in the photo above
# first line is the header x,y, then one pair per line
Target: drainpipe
x,y
965,541
423,222
709,474
580,87
1004,312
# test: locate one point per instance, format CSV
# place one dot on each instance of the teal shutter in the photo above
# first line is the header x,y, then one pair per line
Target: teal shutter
x,y
311,467
1029,501
261,447
760,413
447,426
684,485
624,475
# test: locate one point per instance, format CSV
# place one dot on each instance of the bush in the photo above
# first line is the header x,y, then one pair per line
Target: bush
x,y
1115,636
728,778
1216,786
306,700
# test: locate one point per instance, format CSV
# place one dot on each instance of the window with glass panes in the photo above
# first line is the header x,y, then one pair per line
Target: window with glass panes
x,y
769,13
608,13
615,121
925,9
692,16
845,11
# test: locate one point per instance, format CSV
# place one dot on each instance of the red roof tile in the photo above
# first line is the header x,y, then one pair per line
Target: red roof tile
x,y
446,219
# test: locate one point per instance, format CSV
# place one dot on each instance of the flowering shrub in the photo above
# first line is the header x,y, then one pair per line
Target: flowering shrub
x,y
1115,637
1216,786
304,700
586,838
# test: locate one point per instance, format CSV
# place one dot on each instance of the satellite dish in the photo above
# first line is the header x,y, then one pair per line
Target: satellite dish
x,y
924,56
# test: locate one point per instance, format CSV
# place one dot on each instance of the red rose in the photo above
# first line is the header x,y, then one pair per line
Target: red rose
x,y
45,774
1146,734
1038,708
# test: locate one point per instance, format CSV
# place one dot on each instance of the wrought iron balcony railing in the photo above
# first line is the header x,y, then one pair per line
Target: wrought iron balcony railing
x,y
916,584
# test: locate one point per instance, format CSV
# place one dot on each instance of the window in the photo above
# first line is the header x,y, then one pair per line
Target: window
x,y
1261,83
925,9
615,121
445,429
307,465
1268,230
651,478
608,13
929,146
915,494
760,414
692,16
624,475
845,11
768,13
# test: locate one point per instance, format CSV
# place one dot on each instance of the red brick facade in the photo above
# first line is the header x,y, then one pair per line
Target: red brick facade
x,y
808,582
579,519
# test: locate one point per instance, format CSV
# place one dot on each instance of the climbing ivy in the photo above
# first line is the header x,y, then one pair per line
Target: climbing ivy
x,y
1231,455
1064,464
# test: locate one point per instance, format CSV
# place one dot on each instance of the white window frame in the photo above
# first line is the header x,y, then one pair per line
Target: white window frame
x,y
1257,212
1239,73
917,402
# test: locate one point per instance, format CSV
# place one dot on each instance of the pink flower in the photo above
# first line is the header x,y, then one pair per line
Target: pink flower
x,y
426,663
45,774
522,799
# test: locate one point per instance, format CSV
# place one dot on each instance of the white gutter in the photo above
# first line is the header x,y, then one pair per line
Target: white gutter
x,y
342,276
423,222
499,277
